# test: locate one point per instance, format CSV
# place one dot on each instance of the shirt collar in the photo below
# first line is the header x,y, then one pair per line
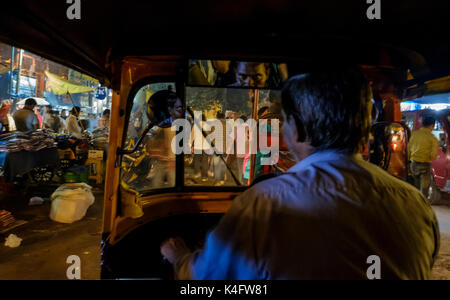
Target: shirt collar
x,y
326,155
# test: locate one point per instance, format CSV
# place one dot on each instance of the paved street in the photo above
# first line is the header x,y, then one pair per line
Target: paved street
x,y
46,244
441,269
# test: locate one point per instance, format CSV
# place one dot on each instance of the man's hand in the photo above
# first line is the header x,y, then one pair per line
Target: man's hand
x,y
173,249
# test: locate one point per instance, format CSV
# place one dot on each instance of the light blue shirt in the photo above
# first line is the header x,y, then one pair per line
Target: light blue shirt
x,y
323,219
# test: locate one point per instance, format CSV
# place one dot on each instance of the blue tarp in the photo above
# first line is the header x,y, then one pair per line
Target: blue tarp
x,y
4,86
431,99
63,100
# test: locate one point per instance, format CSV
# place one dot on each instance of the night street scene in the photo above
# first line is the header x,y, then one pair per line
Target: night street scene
x,y
254,142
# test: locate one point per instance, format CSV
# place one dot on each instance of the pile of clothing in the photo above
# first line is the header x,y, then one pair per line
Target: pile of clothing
x,y
6,219
35,141
100,138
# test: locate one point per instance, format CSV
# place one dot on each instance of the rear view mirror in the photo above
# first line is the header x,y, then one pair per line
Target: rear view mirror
x,y
157,113
157,107
226,73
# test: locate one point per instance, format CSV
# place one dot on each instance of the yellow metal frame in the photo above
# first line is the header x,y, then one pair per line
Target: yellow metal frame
x,y
137,210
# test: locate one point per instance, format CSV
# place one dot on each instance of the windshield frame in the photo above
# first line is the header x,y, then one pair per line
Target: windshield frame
x,y
180,86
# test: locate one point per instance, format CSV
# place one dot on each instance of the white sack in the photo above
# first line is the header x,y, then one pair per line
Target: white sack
x,y
70,202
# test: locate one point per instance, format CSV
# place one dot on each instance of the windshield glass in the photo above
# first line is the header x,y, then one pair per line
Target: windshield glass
x,y
228,133
152,165
241,138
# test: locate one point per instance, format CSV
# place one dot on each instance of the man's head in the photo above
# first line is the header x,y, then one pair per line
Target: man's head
x,y
163,104
428,122
222,66
75,111
175,106
30,103
252,74
262,111
107,113
220,115
326,110
48,108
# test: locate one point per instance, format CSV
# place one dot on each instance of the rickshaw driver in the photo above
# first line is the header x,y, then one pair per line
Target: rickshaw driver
x,y
252,74
325,217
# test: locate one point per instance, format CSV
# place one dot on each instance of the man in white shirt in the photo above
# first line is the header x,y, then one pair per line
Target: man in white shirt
x,y
72,126
329,215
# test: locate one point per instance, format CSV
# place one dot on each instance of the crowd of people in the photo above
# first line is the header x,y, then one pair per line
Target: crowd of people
x,y
32,117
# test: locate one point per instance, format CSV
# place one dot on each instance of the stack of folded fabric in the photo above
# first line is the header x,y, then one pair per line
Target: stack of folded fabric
x,y
6,219
100,138
35,141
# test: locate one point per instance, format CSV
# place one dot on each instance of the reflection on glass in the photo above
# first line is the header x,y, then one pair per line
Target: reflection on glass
x,y
232,168
152,166
222,73
218,104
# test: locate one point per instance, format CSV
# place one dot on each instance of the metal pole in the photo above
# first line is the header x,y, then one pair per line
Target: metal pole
x,y
19,71
11,74
255,117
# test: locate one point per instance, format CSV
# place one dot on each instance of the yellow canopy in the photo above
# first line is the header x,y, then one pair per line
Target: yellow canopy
x,y
61,86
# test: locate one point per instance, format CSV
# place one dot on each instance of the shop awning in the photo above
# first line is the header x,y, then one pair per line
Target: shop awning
x,y
60,86
432,99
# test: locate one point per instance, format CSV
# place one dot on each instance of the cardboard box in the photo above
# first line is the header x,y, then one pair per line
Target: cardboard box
x,y
95,154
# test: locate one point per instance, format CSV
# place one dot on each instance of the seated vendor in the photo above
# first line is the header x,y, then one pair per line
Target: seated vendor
x,y
25,119
72,126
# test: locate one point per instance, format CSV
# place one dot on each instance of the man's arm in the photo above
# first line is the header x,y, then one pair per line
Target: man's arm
x,y
35,122
230,251
410,143
434,148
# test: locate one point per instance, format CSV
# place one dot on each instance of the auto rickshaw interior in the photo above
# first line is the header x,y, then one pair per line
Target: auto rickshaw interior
x,y
160,190
138,48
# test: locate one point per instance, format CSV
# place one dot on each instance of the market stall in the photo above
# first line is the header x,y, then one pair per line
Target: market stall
x,y
21,153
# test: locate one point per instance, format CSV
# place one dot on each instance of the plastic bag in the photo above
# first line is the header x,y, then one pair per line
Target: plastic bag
x,y
70,202
13,241
36,201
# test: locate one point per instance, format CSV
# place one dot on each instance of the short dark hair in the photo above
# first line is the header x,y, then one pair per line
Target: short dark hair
x,y
161,101
172,99
75,110
262,110
428,121
30,102
106,112
331,109
220,115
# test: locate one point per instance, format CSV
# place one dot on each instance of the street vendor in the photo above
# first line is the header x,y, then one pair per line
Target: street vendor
x,y
25,119
72,126
54,122
104,120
